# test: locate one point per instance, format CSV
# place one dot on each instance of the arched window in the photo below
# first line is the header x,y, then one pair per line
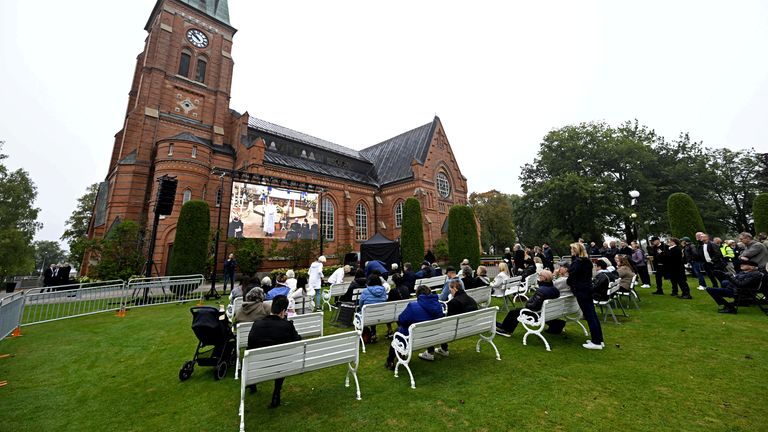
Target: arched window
x,y
205,191
399,214
187,196
361,222
443,185
184,62
200,71
327,218
194,152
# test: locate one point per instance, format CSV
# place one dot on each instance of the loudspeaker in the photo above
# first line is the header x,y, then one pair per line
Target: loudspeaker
x,y
166,195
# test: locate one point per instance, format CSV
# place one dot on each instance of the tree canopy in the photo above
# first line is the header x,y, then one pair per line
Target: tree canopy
x,y
190,247
76,234
463,241
493,210
412,233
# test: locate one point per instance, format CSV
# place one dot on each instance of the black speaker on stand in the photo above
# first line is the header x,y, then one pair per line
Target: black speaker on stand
x,y
166,195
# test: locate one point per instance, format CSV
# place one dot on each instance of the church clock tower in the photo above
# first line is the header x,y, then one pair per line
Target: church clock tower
x,y
177,121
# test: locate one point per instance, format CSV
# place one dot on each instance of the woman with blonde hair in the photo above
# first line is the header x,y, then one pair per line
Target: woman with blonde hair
x,y
580,281
497,286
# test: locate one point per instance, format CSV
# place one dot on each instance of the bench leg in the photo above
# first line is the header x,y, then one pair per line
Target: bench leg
x,y
242,415
353,371
237,364
490,341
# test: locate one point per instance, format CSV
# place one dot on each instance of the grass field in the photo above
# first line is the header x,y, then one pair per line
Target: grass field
x,y
674,365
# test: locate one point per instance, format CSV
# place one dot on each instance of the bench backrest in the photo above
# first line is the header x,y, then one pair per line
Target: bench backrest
x,y
447,329
559,307
307,325
294,358
432,282
237,304
384,312
482,295
338,289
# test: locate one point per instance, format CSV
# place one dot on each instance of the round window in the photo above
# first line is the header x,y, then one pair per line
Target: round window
x,y
443,185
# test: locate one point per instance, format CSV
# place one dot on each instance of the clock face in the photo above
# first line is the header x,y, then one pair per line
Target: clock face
x,y
197,38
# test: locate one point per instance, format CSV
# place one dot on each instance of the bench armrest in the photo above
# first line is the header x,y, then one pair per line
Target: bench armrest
x,y
528,317
401,343
357,321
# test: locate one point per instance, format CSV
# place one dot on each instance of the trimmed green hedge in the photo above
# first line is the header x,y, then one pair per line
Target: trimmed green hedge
x,y
760,213
684,217
190,248
463,241
412,234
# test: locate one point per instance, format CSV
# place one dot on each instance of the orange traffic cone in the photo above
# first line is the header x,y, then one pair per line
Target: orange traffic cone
x,y
17,332
120,313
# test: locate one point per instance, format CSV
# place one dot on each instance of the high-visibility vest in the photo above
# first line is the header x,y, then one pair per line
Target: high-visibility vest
x,y
727,252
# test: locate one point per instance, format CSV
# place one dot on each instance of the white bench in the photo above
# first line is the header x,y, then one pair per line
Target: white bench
x,y
307,325
444,330
512,287
561,307
379,313
481,295
294,358
612,300
329,293
433,282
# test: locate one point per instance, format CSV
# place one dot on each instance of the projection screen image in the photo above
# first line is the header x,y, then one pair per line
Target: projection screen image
x,y
261,211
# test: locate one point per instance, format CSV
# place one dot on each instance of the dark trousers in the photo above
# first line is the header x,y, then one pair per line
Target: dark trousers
x,y
659,277
678,279
709,268
231,278
510,323
642,271
584,298
698,271
718,294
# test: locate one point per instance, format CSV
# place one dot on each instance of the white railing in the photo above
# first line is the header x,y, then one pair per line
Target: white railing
x,y
147,291
44,305
10,313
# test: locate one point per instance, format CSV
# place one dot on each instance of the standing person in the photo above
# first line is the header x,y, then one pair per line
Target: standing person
x,y
611,253
337,276
696,260
658,253
711,257
270,213
426,307
518,259
48,279
275,329
676,269
580,281
64,274
638,258
508,257
624,249
549,257
460,303
230,264
429,257
315,278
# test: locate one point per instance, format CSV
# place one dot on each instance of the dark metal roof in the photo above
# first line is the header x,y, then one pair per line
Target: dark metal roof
x,y
392,158
291,134
303,164
218,9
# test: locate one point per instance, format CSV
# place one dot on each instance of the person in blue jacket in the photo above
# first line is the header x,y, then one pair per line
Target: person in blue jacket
x,y
426,308
381,266
451,276
373,293
280,289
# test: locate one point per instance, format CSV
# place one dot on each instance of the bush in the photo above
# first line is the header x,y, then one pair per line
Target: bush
x,y
412,233
463,241
249,254
190,248
684,217
119,254
441,250
760,213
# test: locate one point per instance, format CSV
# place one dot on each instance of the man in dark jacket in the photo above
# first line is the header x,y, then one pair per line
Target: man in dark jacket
x,y
48,279
658,252
460,303
409,277
230,264
274,330
426,307
611,253
747,280
549,257
711,258
545,291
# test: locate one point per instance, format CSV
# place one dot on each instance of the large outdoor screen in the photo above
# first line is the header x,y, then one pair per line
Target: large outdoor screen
x,y
261,211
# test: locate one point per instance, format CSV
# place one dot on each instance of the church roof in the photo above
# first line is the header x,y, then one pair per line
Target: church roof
x,y
392,158
218,9
291,134
303,164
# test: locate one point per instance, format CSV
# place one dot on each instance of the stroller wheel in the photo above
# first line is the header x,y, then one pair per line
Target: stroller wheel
x,y
186,371
221,370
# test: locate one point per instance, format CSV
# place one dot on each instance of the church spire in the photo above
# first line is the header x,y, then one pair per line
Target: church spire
x,y
218,9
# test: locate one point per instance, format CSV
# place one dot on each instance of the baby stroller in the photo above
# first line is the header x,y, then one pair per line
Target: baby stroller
x,y
212,329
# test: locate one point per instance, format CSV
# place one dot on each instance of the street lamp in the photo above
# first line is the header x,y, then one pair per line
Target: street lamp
x,y
213,293
634,194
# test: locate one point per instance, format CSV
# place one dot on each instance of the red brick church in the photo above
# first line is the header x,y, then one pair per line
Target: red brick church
x,y
179,123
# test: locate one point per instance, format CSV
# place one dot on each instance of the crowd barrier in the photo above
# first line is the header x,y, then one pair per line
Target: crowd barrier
x,y
10,313
45,304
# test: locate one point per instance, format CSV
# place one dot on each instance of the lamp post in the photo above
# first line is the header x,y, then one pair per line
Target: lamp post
x,y
634,194
213,293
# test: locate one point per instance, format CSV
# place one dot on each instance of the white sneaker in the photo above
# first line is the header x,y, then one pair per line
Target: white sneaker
x,y
441,352
427,356
645,286
593,346
701,288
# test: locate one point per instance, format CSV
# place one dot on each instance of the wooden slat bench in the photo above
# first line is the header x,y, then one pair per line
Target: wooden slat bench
x,y
562,307
379,313
329,293
444,330
482,295
294,358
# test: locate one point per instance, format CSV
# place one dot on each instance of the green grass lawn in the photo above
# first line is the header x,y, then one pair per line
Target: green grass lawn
x,y
674,365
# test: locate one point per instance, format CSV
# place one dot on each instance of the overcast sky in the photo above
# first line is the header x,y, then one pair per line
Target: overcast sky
x,y
499,75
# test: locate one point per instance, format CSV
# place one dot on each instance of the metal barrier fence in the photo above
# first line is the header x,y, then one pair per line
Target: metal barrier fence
x,y
10,313
51,304
148,291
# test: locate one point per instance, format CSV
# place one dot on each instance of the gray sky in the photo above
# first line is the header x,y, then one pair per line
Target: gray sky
x,y
499,74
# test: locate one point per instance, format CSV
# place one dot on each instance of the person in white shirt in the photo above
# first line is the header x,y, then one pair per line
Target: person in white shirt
x,y
315,278
338,275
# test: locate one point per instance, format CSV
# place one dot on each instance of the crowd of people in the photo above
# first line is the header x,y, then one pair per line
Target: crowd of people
x,y
56,275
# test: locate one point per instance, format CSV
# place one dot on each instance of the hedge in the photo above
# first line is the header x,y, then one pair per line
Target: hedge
x,y
760,213
684,217
190,248
463,241
412,234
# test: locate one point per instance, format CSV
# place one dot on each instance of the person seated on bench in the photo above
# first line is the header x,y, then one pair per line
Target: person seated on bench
x,y
425,272
253,307
748,279
460,303
275,329
546,291
601,280
358,283
625,272
241,289
280,289
426,308
450,272
373,293
409,277
497,286
467,277
561,280
399,291
481,277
